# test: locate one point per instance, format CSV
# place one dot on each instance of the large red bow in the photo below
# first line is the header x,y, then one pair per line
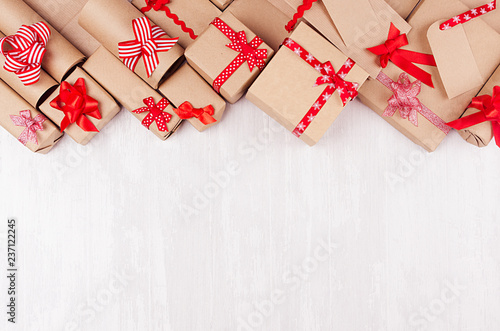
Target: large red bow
x,y
347,90
32,125
28,48
205,114
404,59
158,5
149,41
76,105
489,107
156,113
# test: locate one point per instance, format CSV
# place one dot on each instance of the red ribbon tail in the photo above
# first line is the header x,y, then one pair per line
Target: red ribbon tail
x,y
468,121
84,123
406,63
496,132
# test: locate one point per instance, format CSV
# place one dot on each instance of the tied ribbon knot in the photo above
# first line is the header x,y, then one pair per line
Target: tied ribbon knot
x,y
161,5
27,51
155,113
347,90
76,105
489,111
32,125
150,40
404,59
204,115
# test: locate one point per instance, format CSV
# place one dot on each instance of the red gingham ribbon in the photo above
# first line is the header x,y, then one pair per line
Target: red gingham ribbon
x,y
32,125
347,90
149,41
156,113
158,5
469,15
28,48
247,52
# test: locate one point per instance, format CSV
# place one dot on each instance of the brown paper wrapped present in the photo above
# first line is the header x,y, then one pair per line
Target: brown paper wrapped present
x,y
186,86
307,84
25,123
127,88
106,105
403,7
217,63
222,4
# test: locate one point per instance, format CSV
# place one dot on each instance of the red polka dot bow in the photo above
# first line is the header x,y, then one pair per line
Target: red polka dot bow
x,y
205,115
149,41
27,51
156,113
32,125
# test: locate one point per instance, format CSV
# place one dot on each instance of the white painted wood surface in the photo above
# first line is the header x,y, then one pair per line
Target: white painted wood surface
x,y
364,231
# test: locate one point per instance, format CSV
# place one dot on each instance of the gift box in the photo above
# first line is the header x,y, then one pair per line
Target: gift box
x,y
131,92
403,7
222,4
307,84
122,29
194,99
25,123
183,19
228,56
80,107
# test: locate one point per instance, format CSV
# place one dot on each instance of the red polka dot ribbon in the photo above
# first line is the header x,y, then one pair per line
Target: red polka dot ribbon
x,y
32,125
204,115
248,52
149,41
334,81
469,15
158,5
28,48
156,113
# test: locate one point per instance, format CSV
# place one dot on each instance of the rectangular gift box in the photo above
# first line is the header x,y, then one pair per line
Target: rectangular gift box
x,y
403,7
286,89
127,88
11,104
108,108
185,85
210,56
222,4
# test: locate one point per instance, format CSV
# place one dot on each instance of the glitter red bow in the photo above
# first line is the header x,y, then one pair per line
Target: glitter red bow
x,y
205,114
158,5
156,113
469,15
32,125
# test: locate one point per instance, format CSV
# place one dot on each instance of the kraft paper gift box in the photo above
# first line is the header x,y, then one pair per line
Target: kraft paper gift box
x,y
127,88
466,56
185,85
222,4
111,22
403,7
211,57
196,15
107,107
286,89
24,122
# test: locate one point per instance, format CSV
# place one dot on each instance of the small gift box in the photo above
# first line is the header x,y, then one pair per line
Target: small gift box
x,y
222,4
193,98
133,93
80,107
307,84
228,56
25,123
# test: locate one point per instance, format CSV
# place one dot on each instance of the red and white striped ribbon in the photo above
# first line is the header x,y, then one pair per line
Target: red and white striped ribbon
x,y
469,15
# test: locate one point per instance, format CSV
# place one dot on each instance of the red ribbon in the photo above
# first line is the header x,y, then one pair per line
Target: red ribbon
x,y
28,48
156,113
469,15
149,41
248,52
158,5
402,58
186,111
306,5
489,107
32,125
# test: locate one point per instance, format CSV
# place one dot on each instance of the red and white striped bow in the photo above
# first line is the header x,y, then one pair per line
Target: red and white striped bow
x,y
32,125
28,48
149,41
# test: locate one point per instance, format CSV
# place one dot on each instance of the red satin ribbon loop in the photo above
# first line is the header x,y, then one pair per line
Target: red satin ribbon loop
x,y
204,115
161,5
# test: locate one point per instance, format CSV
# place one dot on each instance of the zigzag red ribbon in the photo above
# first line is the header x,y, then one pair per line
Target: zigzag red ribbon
x,y
162,5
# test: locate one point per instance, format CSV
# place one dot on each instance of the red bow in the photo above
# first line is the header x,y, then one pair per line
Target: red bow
x,y
186,111
347,90
158,5
156,113
306,5
28,48
489,107
404,59
32,126
149,41
76,105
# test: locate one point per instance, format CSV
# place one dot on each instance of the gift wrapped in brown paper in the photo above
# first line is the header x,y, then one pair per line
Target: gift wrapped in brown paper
x,y
222,4
94,107
403,7
131,92
194,99
307,84
171,17
229,56
122,28
25,123
60,57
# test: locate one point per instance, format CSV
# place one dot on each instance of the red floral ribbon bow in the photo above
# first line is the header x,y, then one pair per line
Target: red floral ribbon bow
x,y
32,125
156,113
205,114
158,5
28,48
149,41
306,5
76,105
404,59
469,15
489,107
248,52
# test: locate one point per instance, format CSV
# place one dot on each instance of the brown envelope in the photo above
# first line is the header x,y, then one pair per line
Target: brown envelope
x,y
222,4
